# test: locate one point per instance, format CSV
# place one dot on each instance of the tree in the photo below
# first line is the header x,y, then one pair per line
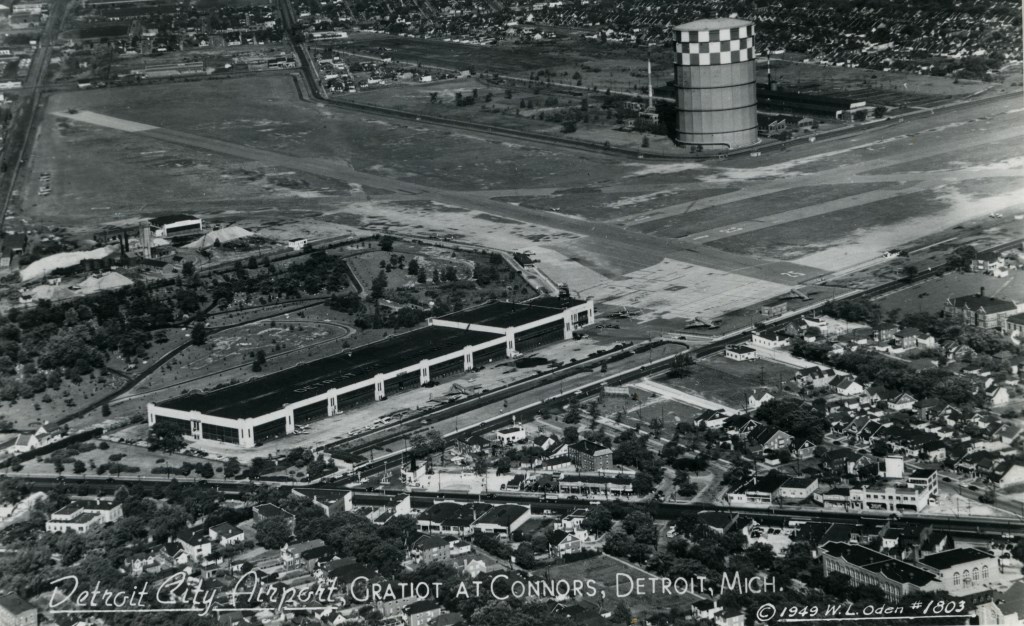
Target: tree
x,y
645,142
188,268
524,556
387,242
598,520
105,410
880,112
58,467
569,126
380,283
260,466
621,615
78,467
232,467
860,116
480,465
166,437
261,360
272,533
571,434
413,267
199,333
682,365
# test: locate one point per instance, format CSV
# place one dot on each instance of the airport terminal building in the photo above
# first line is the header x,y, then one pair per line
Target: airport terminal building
x,y
258,410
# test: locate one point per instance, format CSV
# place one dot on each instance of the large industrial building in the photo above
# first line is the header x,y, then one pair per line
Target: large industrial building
x,y
252,412
716,84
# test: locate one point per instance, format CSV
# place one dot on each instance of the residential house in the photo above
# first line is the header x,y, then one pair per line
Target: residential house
x,y
431,548
15,611
988,262
885,332
740,424
758,397
1014,325
226,534
997,395
422,612
814,376
846,386
1012,475
473,444
910,338
262,512
562,543
731,617
766,437
712,419
30,441
196,542
897,400
802,448
331,501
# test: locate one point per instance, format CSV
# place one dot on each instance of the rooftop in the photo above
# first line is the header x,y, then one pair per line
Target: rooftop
x,y
988,303
717,23
13,603
163,220
270,393
503,515
954,557
508,314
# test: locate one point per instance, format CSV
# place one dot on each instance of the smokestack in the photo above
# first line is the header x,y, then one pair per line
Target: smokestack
x,y
650,84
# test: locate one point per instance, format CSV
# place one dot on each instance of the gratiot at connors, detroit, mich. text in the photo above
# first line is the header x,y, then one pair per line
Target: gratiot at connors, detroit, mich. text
x,y
180,592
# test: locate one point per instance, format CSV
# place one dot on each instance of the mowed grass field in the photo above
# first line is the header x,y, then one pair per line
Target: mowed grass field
x,y
730,382
930,295
265,112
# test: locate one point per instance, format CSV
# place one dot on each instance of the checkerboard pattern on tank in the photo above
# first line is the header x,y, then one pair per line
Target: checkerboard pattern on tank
x,y
715,47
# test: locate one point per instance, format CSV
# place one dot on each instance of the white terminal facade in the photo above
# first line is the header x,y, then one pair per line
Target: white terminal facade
x,y
252,412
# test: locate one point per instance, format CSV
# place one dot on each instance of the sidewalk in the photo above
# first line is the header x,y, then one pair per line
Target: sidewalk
x,y
681,396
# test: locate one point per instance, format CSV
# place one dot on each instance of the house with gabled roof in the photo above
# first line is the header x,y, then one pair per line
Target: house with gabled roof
x,y
758,397
846,386
562,543
767,437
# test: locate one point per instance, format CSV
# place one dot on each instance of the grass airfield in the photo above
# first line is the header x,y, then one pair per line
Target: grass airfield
x,y
675,240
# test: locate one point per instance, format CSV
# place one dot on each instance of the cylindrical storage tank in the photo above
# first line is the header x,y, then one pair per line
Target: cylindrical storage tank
x,y
716,88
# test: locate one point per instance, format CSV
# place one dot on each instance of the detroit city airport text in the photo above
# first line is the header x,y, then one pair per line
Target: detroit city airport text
x,y
504,313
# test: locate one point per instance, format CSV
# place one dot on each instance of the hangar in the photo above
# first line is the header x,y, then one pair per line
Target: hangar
x,y
249,413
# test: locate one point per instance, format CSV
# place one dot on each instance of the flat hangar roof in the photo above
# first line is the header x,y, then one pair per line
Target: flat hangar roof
x,y
507,315
270,393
